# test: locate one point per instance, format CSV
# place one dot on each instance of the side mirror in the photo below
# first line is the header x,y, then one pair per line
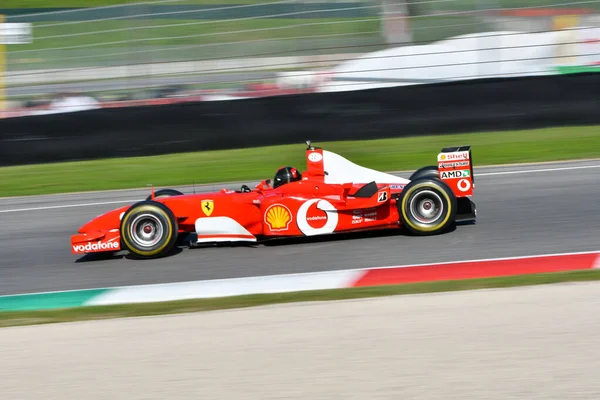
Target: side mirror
x,y
264,185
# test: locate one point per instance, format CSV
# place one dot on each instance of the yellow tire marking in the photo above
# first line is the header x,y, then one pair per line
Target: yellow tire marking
x,y
419,228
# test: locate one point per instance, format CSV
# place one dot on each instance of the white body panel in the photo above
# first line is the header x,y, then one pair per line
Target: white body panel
x,y
340,170
221,229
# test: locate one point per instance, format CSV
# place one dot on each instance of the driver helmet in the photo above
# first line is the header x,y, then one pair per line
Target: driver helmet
x,y
286,175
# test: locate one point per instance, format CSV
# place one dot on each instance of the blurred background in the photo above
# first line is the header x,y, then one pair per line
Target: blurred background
x,y
69,55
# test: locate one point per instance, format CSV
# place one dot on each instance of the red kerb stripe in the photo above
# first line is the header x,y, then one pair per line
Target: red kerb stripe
x,y
477,269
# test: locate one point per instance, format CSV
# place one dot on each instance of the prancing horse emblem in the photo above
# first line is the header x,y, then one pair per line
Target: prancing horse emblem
x,y
208,206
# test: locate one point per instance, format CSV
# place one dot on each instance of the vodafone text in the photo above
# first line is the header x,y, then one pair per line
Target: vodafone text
x,y
96,246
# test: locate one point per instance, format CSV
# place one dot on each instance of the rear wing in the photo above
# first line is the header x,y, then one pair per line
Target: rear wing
x,y
314,161
455,167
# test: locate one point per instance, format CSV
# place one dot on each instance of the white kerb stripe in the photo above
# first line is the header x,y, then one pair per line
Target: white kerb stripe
x,y
263,284
229,287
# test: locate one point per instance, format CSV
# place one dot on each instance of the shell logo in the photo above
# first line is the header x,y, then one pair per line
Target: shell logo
x,y
278,217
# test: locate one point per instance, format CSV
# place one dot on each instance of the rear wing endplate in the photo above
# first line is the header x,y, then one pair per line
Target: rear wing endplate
x,y
455,166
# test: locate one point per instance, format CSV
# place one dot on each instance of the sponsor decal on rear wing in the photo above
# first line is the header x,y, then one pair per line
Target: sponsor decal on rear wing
x,y
455,166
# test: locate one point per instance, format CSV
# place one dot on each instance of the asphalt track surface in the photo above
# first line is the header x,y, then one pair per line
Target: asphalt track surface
x,y
531,343
522,210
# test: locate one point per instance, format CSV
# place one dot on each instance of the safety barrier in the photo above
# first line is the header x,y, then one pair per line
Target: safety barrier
x,y
444,108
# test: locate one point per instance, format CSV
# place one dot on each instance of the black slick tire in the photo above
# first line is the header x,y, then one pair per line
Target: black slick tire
x,y
425,172
149,230
164,193
427,207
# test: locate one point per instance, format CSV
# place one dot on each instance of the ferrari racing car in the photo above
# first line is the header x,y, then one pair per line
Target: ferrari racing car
x,y
333,195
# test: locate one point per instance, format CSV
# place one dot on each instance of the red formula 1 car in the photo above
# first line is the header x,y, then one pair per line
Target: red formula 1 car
x,y
332,196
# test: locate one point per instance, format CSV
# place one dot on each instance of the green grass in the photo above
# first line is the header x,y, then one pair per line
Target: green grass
x,y
259,163
165,32
450,5
72,43
15,318
103,3
57,45
128,42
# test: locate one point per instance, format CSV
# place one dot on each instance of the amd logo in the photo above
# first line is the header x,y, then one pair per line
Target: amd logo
x,y
456,174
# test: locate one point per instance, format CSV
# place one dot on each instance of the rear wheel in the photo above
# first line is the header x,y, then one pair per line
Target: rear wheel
x,y
149,229
164,193
426,172
427,206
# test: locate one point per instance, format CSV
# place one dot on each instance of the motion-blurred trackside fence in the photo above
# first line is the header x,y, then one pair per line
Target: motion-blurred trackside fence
x,y
127,52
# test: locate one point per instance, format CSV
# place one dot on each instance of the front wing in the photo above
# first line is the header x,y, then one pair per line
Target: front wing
x,y
96,242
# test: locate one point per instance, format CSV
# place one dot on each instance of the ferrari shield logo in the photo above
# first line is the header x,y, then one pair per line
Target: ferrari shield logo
x,y
208,206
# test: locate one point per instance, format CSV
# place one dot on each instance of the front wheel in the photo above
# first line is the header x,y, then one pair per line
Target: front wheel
x,y
149,229
427,206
